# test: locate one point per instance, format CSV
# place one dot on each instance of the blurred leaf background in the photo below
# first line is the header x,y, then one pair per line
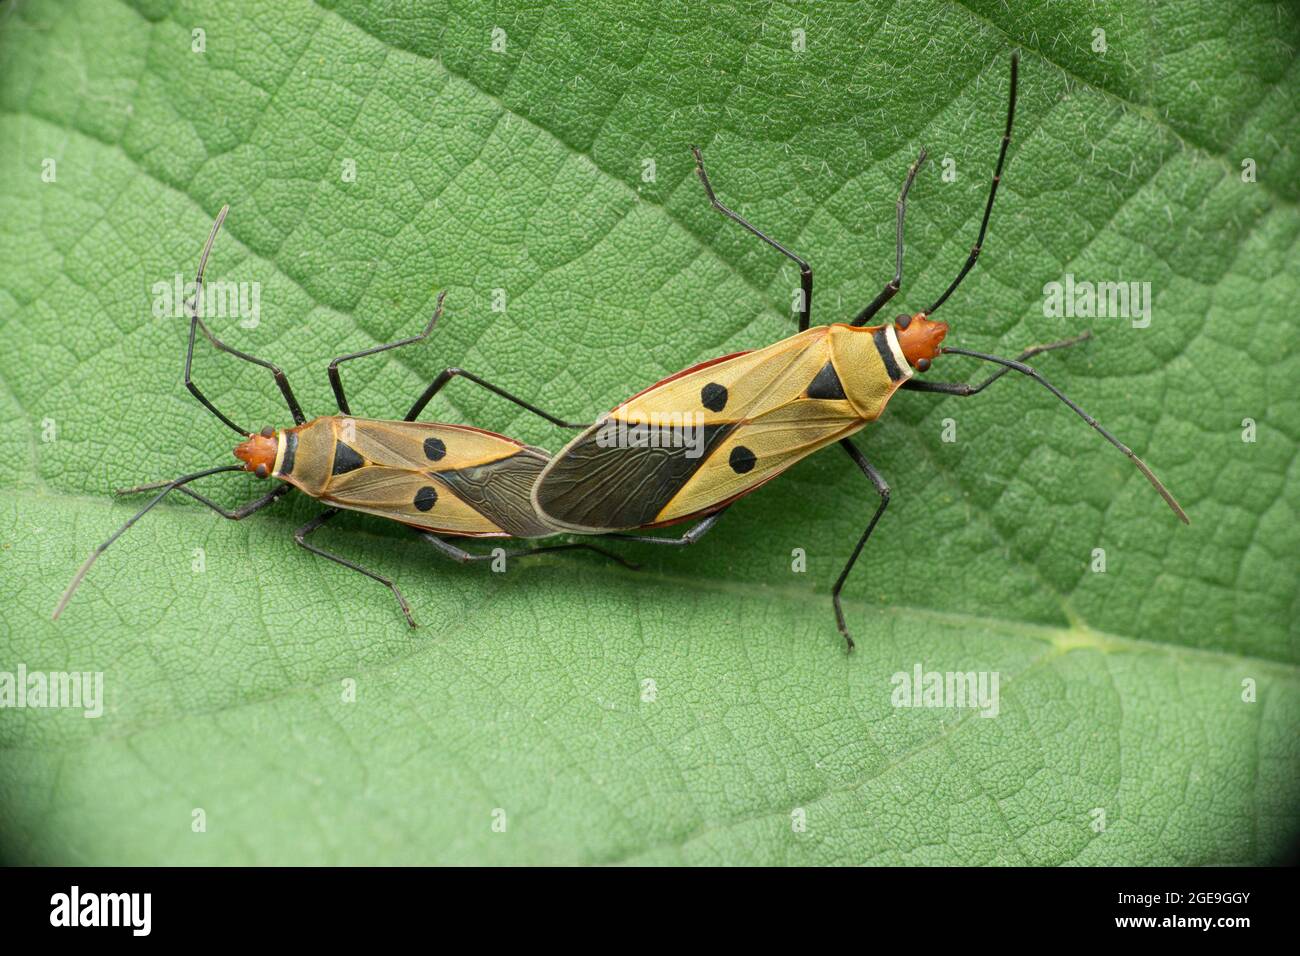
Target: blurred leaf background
x,y
690,712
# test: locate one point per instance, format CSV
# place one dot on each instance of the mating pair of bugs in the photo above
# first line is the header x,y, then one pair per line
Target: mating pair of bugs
x,y
761,411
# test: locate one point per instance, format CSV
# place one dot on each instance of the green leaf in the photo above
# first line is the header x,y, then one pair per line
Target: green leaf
x,y
1125,693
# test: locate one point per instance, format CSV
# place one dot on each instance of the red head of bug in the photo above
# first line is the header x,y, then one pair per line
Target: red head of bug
x,y
919,339
257,452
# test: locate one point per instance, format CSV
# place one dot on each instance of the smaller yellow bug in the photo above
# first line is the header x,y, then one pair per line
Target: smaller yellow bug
x,y
451,480
644,465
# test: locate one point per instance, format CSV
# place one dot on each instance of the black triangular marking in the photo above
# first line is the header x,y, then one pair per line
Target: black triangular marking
x,y
345,459
826,384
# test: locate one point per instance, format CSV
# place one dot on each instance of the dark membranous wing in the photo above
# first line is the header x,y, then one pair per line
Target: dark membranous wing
x,y
608,484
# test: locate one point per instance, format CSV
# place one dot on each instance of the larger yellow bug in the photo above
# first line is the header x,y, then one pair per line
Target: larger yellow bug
x,y
690,445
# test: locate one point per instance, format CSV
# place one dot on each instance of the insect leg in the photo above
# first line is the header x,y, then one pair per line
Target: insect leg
x,y
805,270
465,557
882,489
234,514
300,536
946,388
690,537
280,378
336,382
447,374
993,191
196,323
896,283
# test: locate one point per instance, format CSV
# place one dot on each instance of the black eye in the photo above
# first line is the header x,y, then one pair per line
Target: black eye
x,y
923,365
902,321
268,432
260,471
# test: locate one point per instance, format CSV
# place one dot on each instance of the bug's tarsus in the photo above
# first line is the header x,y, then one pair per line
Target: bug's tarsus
x,y
893,285
882,489
695,533
461,556
94,555
447,374
196,323
1023,369
963,390
212,238
336,383
993,190
805,270
300,536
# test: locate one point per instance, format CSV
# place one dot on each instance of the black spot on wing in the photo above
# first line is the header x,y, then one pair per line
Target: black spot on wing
x,y
608,484
346,459
434,449
742,460
714,397
426,498
502,492
826,383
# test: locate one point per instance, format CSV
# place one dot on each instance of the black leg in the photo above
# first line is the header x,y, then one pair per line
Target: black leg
x,y
196,323
462,556
689,538
805,270
882,489
300,536
993,192
893,285
443,378
280,378
447,374
1016,366
235,514
336,383
945,388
